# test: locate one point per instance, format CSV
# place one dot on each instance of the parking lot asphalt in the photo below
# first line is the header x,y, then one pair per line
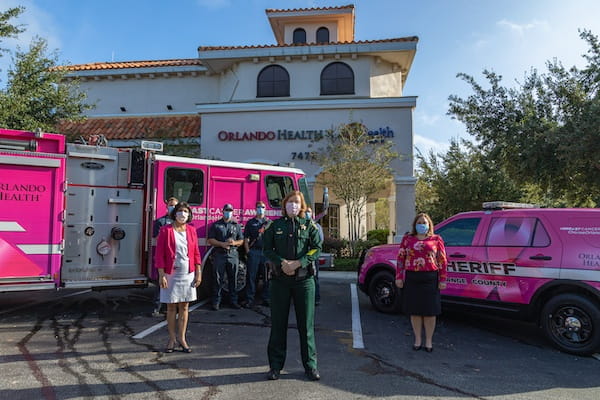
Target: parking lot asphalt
x,y
83,346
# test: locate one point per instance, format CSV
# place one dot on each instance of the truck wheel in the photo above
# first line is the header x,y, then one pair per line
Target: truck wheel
x,y
384,294
240,278
205,290
572,323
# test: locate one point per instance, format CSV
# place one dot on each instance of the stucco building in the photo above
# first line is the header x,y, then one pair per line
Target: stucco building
x,y
267,103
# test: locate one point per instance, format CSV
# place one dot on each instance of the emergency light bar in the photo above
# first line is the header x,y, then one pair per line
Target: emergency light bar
x,y
503,205
151,146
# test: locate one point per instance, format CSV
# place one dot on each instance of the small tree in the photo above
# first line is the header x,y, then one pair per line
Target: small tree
x,y
355,166
37,95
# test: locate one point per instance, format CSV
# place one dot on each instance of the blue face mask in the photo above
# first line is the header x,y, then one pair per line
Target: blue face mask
x,y
308,215
227,214
260,210
422,228
170,208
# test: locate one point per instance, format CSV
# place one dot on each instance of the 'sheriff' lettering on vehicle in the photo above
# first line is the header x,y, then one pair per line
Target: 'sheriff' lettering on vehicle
x,y
474,267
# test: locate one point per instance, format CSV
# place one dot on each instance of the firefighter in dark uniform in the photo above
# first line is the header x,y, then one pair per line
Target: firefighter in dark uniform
x,y
253,243
225,235
291,245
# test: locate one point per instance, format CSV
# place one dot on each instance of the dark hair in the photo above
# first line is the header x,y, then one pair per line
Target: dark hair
x,y
429,222
302,203
178,207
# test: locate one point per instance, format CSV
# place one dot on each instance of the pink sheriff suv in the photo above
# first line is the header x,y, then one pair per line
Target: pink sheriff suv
x,y
532,263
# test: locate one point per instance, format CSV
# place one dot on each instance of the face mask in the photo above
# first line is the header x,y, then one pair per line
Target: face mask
x,y
292,209
182,216
260,210
422,228
308,214
170,208
227,214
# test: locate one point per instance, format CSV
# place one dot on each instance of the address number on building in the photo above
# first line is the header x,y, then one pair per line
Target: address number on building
x,y
305,155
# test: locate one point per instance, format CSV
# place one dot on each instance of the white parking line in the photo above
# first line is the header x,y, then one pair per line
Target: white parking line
x,y
596,356
156,327
357,337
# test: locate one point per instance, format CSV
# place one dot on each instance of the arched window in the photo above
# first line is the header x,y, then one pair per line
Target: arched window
x,y
337,78
322,35
299,36
273,81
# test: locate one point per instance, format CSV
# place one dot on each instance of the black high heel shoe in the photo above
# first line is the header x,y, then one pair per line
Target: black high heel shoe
x,y
170,349
185,349
417,348
429,349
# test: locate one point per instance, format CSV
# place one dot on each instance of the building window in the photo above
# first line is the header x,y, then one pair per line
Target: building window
x,y
277,188
273,81
331,221
337,78
299,36
322,35
185,184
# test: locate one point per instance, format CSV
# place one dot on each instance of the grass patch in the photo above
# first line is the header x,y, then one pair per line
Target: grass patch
x,y
346,264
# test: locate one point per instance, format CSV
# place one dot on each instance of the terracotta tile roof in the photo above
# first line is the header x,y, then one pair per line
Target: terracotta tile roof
x,y
123,128
272,10
132,64
266,46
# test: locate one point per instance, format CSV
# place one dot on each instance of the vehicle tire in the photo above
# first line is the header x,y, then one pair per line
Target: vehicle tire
x,y
385,296
572,323
240,282
205,290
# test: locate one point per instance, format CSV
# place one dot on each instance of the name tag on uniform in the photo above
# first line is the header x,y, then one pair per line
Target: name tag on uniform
x,y
279,232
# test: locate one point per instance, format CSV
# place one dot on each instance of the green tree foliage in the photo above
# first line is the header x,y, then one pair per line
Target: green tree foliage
x,y
8,30
37,95
544,133
355,166
460,180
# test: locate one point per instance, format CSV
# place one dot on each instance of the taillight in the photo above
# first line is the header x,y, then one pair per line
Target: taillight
x,y
322,261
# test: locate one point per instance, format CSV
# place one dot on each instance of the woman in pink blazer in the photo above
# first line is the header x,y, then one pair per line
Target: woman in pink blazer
x,y
178,260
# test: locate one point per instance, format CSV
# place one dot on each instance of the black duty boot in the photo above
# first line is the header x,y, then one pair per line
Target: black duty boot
x,y
273,374
313,374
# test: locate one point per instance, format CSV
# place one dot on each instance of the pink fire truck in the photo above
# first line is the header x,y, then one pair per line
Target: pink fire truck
x,y
527,262
80,216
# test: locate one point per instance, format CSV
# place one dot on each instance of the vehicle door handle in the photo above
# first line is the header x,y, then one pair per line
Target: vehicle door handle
x,y
540,258
458,255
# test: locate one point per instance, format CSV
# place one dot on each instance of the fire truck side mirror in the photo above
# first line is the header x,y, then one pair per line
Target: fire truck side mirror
x,y
137,167
325,199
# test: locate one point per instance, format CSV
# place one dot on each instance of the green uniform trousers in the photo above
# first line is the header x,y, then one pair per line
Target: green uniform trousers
x,y
283,289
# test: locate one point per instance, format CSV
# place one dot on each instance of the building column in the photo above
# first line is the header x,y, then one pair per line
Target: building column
x,y
404,206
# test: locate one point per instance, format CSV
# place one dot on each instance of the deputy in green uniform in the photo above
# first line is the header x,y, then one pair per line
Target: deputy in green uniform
x,y
292,244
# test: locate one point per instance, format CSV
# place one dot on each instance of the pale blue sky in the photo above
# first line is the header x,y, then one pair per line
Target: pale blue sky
x,y
509,36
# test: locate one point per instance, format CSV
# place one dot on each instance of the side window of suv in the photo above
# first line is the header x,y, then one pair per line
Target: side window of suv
x,y
517,232
459,232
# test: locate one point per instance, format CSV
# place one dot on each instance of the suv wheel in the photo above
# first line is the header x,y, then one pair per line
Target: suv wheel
x,y
572,323
384,294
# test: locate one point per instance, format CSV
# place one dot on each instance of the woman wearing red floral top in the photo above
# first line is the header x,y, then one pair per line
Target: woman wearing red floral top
x,y
421,273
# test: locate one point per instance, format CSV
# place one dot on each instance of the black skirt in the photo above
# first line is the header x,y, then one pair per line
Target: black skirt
x,y
421,295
